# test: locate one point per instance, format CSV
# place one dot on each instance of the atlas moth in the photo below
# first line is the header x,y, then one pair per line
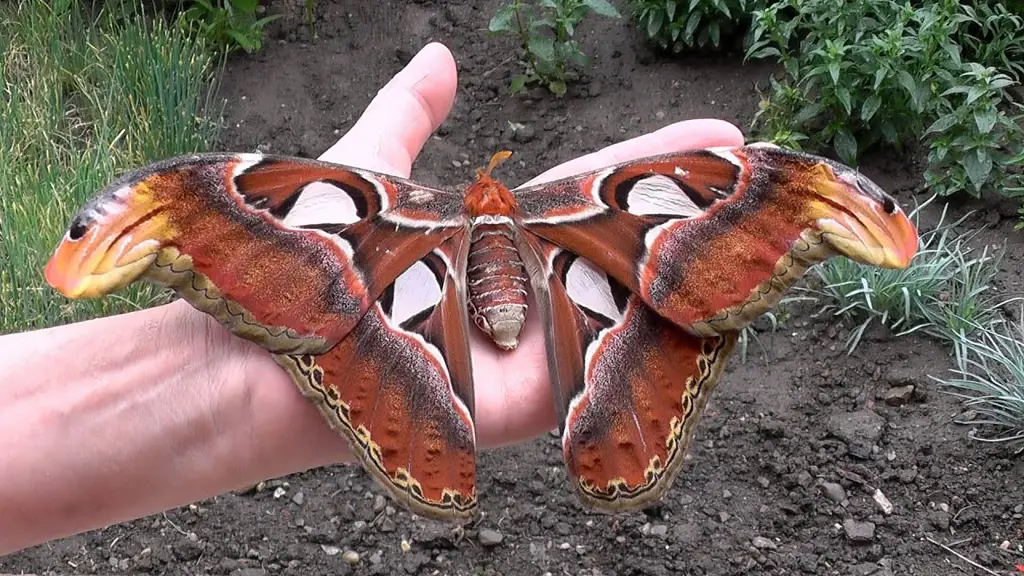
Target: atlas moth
x,y
363,286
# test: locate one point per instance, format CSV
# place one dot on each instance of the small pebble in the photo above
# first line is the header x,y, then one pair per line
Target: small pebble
x,y
762,543
490,537
883,502
351,557
834,492
858,531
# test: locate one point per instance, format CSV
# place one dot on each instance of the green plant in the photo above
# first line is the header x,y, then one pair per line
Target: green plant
x,y
945,292
310,6
867,70
679,24
230,23
974,143
994,37
81,102
991,381
546,34
776,112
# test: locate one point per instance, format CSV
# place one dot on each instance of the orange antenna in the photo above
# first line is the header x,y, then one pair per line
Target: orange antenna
x,y
496,160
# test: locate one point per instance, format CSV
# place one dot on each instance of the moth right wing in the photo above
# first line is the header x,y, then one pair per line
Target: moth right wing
x,y
630,386
287,252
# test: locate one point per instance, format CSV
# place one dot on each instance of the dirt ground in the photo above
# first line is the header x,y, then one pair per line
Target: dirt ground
x,y
793,446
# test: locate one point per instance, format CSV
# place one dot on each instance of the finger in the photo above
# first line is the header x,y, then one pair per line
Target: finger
x,y
395,126
685,135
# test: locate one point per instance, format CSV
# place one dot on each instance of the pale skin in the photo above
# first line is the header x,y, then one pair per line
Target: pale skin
x,y
122,417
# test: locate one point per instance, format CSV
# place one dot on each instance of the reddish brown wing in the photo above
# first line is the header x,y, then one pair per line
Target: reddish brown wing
x,y
629,385
711,238
399,388
287,252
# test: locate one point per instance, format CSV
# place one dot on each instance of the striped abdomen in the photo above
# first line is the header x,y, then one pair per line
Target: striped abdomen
x,y
497,284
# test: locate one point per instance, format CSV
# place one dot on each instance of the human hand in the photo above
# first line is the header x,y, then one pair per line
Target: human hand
x,y
513,398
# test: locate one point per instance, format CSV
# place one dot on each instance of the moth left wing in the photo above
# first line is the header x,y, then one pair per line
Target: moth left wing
x,y
711,238
630,386
287,252
399,388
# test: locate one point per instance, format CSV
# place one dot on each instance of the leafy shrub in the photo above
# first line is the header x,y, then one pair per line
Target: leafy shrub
x,y
867,72
974,143
231,24
676,25
546,33
994,36
866,69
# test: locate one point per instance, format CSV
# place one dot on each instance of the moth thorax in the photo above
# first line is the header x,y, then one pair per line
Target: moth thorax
x,y
497,284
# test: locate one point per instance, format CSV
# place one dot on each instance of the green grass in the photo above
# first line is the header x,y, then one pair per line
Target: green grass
x,y
991,382
82,100
946,292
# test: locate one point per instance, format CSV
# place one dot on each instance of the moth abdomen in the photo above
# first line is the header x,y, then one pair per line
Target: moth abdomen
x,y
496,280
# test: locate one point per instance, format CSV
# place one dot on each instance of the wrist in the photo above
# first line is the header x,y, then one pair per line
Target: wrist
x,y
143,412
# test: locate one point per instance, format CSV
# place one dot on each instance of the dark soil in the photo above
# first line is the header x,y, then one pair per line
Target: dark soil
x,y
793,445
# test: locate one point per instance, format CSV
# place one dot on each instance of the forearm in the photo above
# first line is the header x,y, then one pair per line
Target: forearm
x,y
94,429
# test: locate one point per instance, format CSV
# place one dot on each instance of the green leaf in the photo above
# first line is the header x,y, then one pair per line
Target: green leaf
x,y
670,9
908,83
974,93
692,24
654,24
545,22
247,44
502,19
986,119
846,146
557,87
870,106
978,166
714,32
953,49
806,113
765,52
844,98
542,47
602,7
880,75
517,84
247,6
942,124
833,71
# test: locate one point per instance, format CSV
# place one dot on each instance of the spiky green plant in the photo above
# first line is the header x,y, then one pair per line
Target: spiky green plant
x,y
990,380
946,291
